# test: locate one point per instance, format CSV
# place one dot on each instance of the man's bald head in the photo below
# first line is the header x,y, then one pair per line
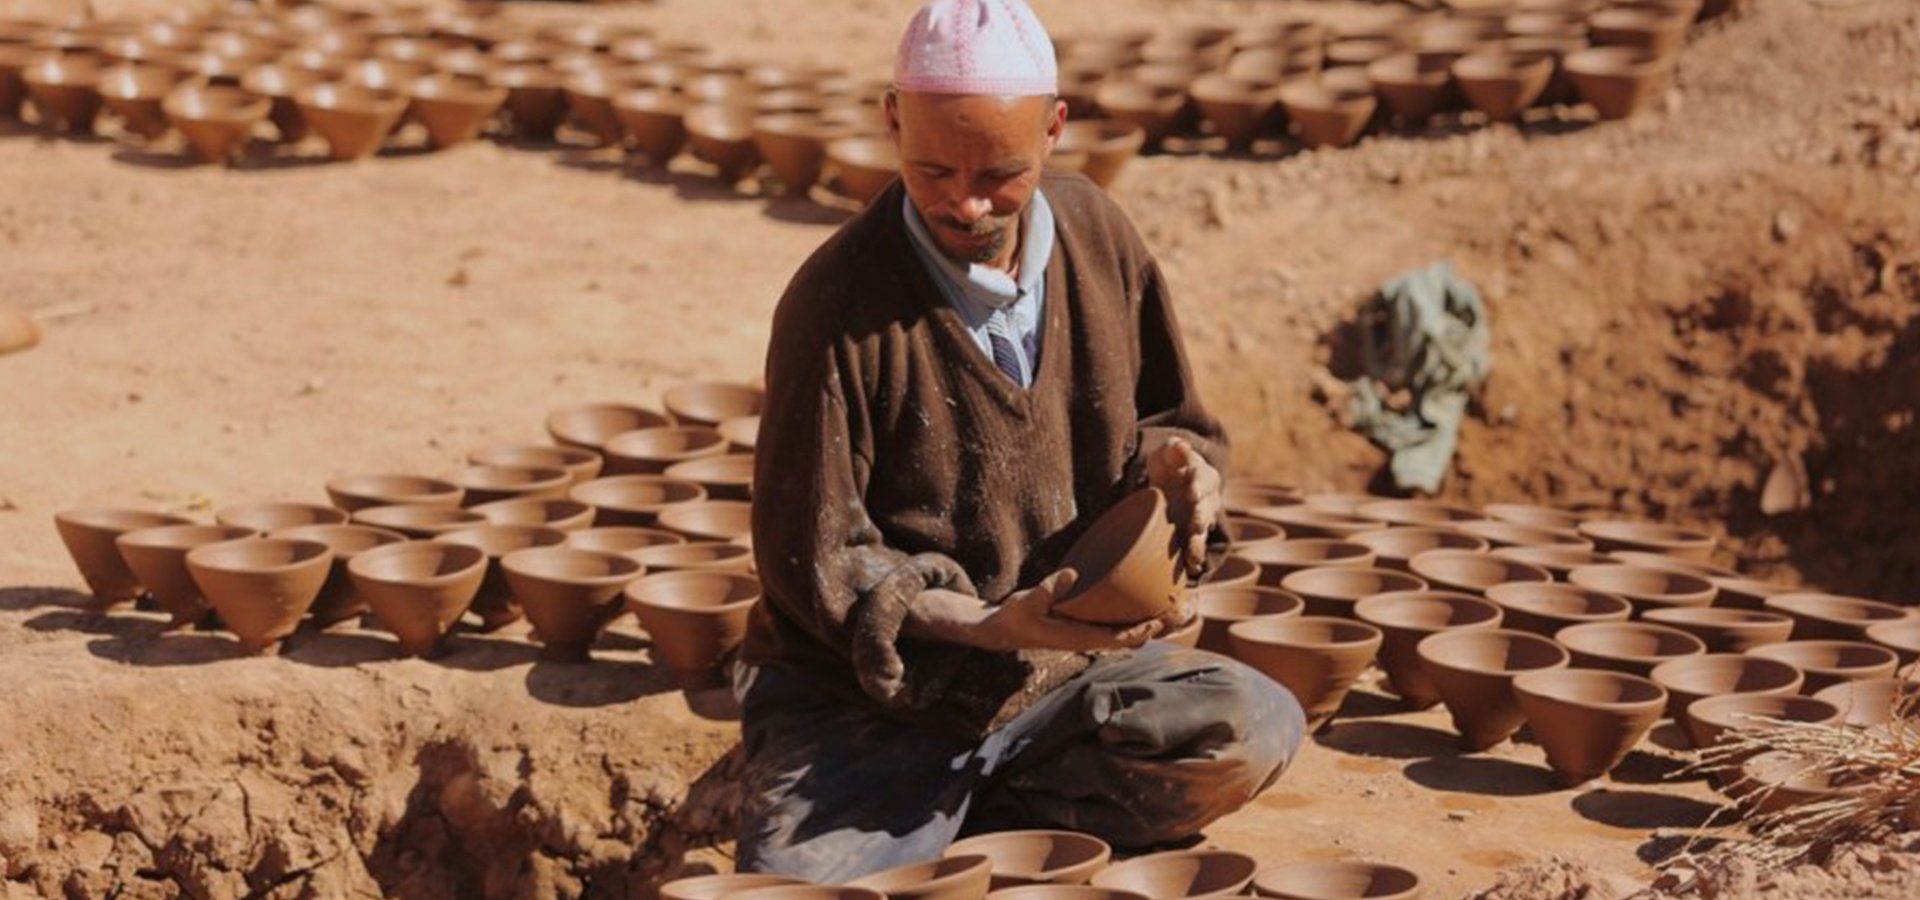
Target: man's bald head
x,y
971,163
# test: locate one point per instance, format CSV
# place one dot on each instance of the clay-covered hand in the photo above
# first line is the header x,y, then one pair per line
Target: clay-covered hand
x,y
1192,486
1025,621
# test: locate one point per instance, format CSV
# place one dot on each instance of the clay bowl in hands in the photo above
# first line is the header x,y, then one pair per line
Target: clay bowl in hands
x,y
90,536
1472,670
692,556
1128,566
634,499
565,515
651,451
1902,637
728,476
486,483
655,121
569,595
1611,535
1316,658
1405,618
1412,84
589,426
1557,560
1587,720
1646,588
1715,674
948,878
1511,534
65,89
1414,513
1537,516
1544,609
418,521
722,136
1473,573
1712,721
696,619
494,603
1156,109
279,84
134,93
1873,701
339,599
1108,144
260,586
1632,648
1277,561
1833,617
579,464
1233,571
1617,81
1303,521
741,433
1393,547
1220,608
1502,84
418,589
1241,498
1238,110
1333,590
158,558
454,108
719,887
862,167
1827,663
216,120
1182,873
1037,857
1725,630
353,119
1337,880
536,101
1328,115
623,539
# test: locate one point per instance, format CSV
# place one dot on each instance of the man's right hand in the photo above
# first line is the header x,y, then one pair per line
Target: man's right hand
x,y
1024,621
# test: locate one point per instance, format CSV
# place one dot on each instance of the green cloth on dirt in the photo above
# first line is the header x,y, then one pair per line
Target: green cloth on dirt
x,y
1426,333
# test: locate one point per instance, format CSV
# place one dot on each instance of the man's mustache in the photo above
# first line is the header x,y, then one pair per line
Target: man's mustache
x,y
990,225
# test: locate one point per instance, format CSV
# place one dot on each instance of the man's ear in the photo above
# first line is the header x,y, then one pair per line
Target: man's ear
x,y
890,104
1056,123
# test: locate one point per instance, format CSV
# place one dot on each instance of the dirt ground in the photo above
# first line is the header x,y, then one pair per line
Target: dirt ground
x,y
1681,303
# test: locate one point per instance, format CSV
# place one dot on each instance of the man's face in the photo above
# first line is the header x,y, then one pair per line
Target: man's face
x,y
971,164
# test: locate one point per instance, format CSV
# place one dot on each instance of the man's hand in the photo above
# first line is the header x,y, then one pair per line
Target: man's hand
x,y
1192,486
1024,621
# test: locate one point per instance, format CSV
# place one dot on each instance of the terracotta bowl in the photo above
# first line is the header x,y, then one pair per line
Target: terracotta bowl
x,y
454,108
625,539
810,892
569,595
1414,513
1220,608
265,517
1646,588
158,558
468,63
339,598
1182,873
1557,560
1405,618
565,515
1611,535
1242,497
579,464
651,451
1316,658
1360,51
950,878
1661,33
1413,84
1587,720
1511,534
1502,84
1778,785
1873,701
1473,573
354,119
90,536
1747,593
728,476
742,433
1902,637
1827,663
1544,609
1128,566
710,403
722,136
418,521
279,83
1301,520
589,426
709,520
1337,880
134,93
261,587
1393,547
536,101
1711,721
488,483
1037,857
1472,671
862,167
795,147
1277,561
719,887
1632,648
494,603
701,556
1062,892
65,89
1834,617
1537,516
634,499
1333,590
1725,630
1327,115
590,90
1662,561
696,619
1617,81
1238,110
1155,109
655,120
1714,674
14,59
1233,571
1244,530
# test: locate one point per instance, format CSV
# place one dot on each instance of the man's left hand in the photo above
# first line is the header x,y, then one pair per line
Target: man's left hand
x,y
1192,486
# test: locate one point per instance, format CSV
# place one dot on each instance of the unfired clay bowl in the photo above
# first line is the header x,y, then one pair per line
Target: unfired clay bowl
x,y
536,101
1711,721
722,135
1646,588
1611,535
696,620
1715,674
418,521
1233,571
134,93
1473,669
651,451
1128,566
591,425
1412,84
1502,84
580,464
1660,33
1834,617
487,483
1473,573
626,539
1629,647
1725,630
655,121
354,118
1586,719
454,108
1316,658
419,589
1327,115
216,120
1037,857
1405,618
1649,560
810,892
495,603
1512,534
1333,590
719,887
862,167
741,433
1337,880
709,520
260,586
1108,144
1182,873
65,90
1303,521
1747,593
1537,516
1277,561
1220,608
701,556
634,499
1558,560
1544,609
339,599
713,402
1238,110
1241,497
1414,513
1244,530
1873,701
158,558
1778,783
356,492
90,536
1827,663
1155,109
1393,547
1902,637
949,878
274,516
569,595
1062,892
1617,81
565,515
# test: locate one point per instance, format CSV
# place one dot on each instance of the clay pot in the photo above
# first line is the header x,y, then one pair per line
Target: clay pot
x,y
260,586
1633,648
623,539
265,517
949,878
157,557
589,426
1156,109
728,476
564,515
354,120
467,63
1559,560
1774,783
1661,33
654,120
215,120
418,521
382,75
134,93
1327,116
495,603
1834,617
454,108
1502,84
1712,721
13,89
1316,658
1242,497
1277,561
1903,638
1473,573
1202,45
1333,590
862,167
1182,873
90,536
1413,84
1715,674
701,556
1238,110
1414,513
1472,672
1725,630
1219,608
1646,588
651,451
1873,701
1509,534
723,137
1128,566
1827,663
65,90
590,90
1337,880
1587,720
279,84
1063,892
741,433
339,599
709,520
486,484
1546,23
1304,521
1233,571
1537,516
1667,563
696,619
1106,145
1544,609
536,101
634,499
1747,593
810,892
1609,535
1244,530
795,147
569,595
1617,81
418,589
1346,504
580,465
1037,857
719,887
1393,547
1405,618
414,49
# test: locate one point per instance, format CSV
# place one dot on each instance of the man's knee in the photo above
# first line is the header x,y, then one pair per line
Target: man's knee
x,y
1272,728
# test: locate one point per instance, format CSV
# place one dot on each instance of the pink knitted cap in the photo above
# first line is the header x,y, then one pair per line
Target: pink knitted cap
x,y
987,47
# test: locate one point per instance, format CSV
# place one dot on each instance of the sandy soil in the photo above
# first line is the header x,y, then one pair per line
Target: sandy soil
x,y
1680,303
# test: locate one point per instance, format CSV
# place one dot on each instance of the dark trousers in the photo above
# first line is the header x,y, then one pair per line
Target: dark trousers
x,y
1143,748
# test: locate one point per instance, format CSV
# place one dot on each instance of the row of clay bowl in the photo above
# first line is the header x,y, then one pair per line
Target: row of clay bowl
x,y
1328,87
628,510
1066,865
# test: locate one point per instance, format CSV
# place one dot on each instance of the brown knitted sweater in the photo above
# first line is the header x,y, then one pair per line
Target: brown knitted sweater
x,y
894,457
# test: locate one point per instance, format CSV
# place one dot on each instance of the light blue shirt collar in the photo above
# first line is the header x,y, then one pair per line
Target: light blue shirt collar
x,y
983,289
